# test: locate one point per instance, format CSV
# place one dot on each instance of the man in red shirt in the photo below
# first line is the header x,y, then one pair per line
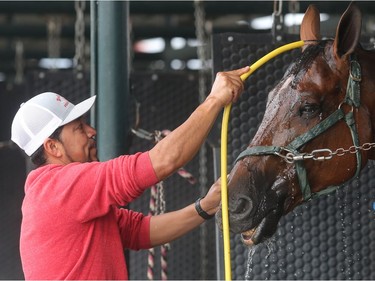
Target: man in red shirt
x,y
73,226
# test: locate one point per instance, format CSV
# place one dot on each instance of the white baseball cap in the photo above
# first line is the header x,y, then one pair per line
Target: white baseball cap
x,y
40,116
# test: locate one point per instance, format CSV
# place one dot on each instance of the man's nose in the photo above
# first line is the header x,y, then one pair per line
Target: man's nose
x,y
91,132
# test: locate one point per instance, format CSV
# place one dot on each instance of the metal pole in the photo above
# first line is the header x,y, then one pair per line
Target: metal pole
x,y
93,55
112,81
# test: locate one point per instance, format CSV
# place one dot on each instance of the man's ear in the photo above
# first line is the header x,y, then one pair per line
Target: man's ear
x,y
52,147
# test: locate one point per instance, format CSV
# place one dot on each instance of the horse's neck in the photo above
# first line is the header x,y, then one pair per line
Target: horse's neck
x,y
367,61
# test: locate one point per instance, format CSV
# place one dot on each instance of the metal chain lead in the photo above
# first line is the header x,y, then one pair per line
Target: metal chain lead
x,y
160,200
53,34
202,49
53,40
294,8
79,38
322,153
278,21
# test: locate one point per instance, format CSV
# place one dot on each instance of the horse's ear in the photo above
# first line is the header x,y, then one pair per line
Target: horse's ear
x,y
348,31
310,26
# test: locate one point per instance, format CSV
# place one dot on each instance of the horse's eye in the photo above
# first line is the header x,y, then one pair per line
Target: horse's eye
x,y
309,111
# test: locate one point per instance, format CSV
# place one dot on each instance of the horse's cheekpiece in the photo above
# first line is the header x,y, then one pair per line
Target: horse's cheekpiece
x,y
323,110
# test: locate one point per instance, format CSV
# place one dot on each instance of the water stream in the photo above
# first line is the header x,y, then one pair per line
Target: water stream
x,y
350,216
270,244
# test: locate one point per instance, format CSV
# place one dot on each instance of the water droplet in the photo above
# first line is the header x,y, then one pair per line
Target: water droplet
x,y
249,265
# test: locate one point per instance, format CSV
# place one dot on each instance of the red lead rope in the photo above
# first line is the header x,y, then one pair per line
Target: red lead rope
x,y
157,206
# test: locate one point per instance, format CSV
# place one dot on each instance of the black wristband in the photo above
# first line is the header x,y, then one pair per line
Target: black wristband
x,y
200,211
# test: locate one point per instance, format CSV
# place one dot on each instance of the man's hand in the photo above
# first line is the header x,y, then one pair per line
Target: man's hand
x,y
210,203
169,226
228,86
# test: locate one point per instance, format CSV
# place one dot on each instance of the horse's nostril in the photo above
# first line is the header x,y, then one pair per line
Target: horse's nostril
x,y
242,206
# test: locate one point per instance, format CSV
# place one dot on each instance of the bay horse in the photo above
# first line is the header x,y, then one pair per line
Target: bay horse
x,y
317,131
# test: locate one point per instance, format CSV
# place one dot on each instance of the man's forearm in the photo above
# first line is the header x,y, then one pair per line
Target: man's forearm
x,y
180,146
184,142
170,226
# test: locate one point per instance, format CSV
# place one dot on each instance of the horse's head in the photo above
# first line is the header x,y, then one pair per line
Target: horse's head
x,y
314,113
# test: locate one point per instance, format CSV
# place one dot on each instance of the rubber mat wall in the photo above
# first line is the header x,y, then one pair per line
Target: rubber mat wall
x,y
12,176
327,238
166,101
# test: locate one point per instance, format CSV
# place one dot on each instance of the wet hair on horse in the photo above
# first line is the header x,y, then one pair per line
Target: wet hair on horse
x,y
300,67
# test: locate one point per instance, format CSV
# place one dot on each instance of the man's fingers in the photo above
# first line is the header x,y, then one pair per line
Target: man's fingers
x,y
242,70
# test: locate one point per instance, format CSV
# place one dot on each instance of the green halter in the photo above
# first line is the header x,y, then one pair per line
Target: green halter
x,y
352,98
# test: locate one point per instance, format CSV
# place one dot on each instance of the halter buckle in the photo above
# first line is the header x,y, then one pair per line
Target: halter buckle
x,y
286,154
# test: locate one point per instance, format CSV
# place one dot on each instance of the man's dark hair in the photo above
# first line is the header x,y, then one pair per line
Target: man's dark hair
x,y
38,157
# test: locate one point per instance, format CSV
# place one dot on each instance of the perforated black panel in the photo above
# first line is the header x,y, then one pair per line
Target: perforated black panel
x,y
65,83
166,101
12,176
327,238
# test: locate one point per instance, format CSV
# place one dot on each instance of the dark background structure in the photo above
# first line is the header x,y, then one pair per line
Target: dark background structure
x,y
27,22
328,238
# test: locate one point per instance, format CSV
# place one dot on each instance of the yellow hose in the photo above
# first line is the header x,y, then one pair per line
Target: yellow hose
x,y
224,140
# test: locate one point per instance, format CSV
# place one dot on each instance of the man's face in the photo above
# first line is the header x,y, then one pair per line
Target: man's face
x,y
78,142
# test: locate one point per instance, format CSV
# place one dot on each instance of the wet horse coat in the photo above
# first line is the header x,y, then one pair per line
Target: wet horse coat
x,y
322,109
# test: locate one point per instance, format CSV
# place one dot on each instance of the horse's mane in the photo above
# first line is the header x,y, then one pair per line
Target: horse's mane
x,y
304,61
